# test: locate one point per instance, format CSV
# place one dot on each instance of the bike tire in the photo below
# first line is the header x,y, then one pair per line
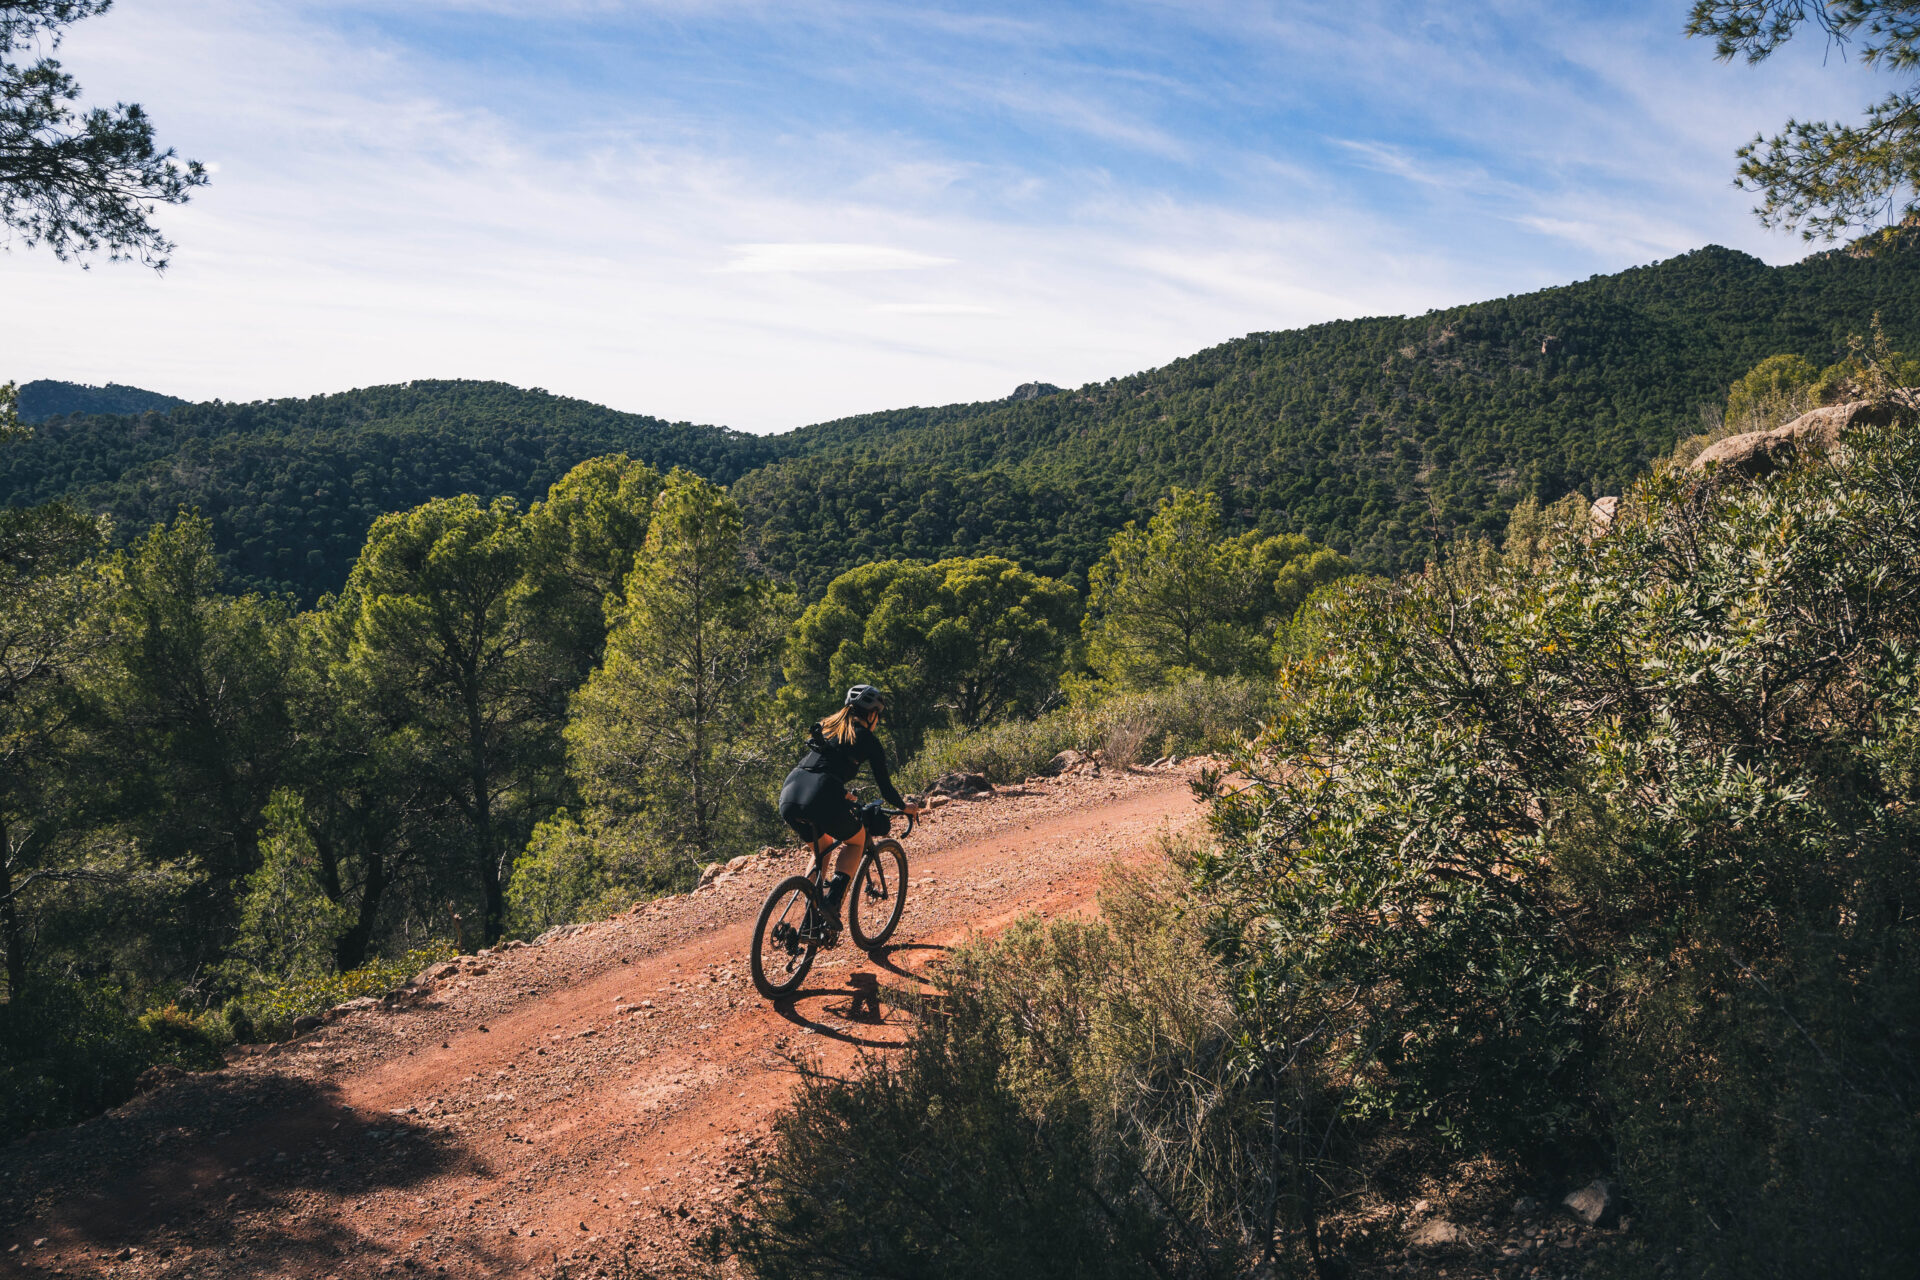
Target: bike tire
x,y
789,962
878,894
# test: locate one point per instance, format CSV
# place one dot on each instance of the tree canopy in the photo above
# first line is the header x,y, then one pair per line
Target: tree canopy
x,y
1180,597
1820,177
672,725
955,643
78,182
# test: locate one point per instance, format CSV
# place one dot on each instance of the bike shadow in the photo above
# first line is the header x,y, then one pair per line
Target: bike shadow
x,y
886,958
830,1012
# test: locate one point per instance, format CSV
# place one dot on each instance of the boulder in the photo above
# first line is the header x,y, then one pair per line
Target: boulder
x,y
1436,1233
1594,1204
963,784
155,1076
1758,453
307,1022
1068,761
708,874
735,864
1600,516
351,1006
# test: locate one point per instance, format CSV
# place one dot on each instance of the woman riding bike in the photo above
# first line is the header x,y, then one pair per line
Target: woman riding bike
x,y
815,801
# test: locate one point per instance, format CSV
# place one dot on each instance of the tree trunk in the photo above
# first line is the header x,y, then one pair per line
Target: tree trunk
x,y
486,840
350,950
11,935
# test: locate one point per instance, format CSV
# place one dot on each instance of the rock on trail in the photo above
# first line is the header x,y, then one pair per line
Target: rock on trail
x,y
541,1107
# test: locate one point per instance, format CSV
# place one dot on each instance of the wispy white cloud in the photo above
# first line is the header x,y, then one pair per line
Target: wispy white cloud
x,y
935,309
830,257
933,205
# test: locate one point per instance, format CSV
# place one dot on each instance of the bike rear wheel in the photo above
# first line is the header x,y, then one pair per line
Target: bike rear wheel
x,y
786,936
877,895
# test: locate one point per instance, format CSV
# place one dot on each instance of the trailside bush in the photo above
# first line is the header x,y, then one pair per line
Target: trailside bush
x,y
1612,852
1073,1104
1191,716
272,1010
68,1050
572,871
182,1038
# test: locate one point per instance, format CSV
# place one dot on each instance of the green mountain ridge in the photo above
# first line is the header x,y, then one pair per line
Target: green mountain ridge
x,y
292,485
48,398
1375,435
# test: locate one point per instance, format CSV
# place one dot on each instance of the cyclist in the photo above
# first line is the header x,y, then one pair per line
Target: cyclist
x,y
815,801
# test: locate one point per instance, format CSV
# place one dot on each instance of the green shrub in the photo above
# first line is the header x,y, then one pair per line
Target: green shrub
x,y
1191,716
288,924
1074,1105
182,1038
571,872
68,1050
71,1050
272,1010
1604,853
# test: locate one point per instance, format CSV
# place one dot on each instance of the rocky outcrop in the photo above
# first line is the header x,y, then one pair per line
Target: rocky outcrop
x,y
1759,453
1033,391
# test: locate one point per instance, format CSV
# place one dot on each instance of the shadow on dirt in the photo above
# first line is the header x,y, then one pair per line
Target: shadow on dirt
x,y
259,1171
891,959
834,1016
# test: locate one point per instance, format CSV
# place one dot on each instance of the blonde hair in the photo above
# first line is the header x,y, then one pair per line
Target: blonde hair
x,y
839,726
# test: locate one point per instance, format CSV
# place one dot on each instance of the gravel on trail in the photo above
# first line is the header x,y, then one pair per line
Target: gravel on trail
x,y
542,1108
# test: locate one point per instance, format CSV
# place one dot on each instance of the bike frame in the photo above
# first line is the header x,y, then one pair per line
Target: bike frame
x,y
819,873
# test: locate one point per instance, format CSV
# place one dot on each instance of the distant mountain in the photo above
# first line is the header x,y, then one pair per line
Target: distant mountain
x,y
44,398
292,485
1374,435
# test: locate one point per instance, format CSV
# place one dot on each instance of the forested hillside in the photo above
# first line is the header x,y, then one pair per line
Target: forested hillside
x,y
292,486
1365,433
49,399
811,518
1371,435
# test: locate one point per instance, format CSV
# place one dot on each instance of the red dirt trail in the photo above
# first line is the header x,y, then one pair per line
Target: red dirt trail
x,y
547,1105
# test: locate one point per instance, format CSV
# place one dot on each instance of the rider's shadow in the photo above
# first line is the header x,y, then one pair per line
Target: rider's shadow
x,y
896,960
833,1012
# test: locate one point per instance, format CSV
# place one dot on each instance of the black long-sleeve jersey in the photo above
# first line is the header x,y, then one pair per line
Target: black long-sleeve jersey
x,y
843,759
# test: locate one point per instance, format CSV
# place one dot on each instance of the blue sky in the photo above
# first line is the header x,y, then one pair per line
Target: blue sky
x,y
766,214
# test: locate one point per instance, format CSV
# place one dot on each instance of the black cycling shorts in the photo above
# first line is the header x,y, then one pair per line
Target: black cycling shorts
x,y
815,805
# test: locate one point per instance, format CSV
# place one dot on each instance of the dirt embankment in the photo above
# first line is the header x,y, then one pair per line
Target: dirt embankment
x,y
543,1106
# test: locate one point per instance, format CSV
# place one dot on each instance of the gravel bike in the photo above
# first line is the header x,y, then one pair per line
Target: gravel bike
x,y
794,921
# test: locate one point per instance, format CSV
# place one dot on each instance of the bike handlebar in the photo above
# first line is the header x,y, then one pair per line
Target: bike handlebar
x,y
900,813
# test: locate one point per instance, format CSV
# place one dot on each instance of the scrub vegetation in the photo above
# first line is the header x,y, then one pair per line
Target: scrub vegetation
x,y
1583,855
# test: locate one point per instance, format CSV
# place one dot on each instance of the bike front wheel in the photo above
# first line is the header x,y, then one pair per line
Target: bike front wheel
x,y
785,937
877,895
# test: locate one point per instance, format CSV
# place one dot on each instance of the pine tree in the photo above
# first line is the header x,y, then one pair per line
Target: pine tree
x,y
675,728
447,651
